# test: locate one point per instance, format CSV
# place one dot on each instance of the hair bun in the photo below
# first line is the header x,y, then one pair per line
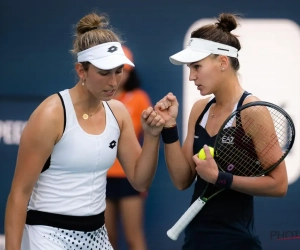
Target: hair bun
x,y
227,22
90,22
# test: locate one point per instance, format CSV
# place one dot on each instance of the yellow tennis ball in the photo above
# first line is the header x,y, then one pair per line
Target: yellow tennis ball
x,y
202,155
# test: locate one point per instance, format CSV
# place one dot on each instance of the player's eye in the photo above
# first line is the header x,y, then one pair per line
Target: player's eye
x,y
103,73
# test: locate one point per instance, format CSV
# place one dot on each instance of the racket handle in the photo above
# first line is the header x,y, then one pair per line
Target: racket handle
x,y
185,219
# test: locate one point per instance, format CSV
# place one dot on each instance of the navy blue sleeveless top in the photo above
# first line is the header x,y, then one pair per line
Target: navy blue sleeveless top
x,y
226,222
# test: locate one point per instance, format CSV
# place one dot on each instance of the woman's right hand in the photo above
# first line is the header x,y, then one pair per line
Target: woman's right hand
x,y
167,107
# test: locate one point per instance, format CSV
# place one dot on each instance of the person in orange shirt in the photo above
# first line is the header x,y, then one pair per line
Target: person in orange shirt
x,y
121,198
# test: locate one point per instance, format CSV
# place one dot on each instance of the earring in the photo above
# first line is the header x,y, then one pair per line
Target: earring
x,y
222,69
83,82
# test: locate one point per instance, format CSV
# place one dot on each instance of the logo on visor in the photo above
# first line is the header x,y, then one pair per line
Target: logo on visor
x,y
112,49
189,44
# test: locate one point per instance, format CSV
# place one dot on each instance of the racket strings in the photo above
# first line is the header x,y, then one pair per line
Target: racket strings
x,y
257,136
248,137
229,158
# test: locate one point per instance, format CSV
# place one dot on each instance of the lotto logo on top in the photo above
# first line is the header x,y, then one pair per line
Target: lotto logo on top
x,y
10,131
112,49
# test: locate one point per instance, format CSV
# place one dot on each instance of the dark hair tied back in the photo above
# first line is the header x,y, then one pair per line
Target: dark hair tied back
x,y
227,22
220,32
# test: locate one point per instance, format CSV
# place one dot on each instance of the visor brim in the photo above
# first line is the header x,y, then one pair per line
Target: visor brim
x,y
188,56
111,62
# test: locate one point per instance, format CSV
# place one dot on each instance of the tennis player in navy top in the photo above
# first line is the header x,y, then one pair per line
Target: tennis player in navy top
x,y
226,222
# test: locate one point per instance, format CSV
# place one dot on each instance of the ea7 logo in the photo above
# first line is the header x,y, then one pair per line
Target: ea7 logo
x,y
227,139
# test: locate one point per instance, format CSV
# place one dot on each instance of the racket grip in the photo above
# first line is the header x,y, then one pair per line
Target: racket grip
x,y
185,219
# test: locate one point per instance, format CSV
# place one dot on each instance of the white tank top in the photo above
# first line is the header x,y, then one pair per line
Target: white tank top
x,y
75,182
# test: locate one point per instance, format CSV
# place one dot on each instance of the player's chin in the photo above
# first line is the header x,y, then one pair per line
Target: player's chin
x,y
104,95
106,98
205,91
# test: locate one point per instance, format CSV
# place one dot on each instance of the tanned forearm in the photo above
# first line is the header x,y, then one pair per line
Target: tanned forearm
x,y
147,163
259,186
178,166
15,217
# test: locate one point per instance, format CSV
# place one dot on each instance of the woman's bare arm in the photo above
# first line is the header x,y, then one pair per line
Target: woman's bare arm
x,y
139,163
37,140
180,160
273,184
268,150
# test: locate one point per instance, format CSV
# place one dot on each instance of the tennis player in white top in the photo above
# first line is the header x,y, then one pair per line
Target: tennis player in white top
x,y
67,146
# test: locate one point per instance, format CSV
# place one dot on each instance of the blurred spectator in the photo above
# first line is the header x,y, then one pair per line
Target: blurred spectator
x,y
122,200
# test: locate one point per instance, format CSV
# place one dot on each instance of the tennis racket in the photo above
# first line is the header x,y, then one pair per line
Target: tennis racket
x,y
252,141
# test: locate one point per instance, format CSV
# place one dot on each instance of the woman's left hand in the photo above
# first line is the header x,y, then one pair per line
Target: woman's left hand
x,y
152,122
207,169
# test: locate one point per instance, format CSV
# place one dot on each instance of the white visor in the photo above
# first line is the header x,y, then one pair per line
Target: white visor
x,y
105,56
197,49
